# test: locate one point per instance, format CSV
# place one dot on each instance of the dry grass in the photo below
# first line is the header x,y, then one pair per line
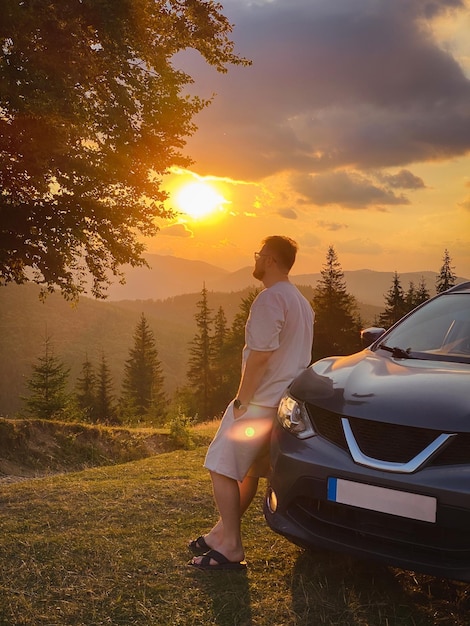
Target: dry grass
x,y
107,546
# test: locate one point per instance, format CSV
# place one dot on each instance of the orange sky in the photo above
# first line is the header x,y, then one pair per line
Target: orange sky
x,y
351,128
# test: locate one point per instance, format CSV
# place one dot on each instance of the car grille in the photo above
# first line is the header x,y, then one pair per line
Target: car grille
x,y
377,533
389,442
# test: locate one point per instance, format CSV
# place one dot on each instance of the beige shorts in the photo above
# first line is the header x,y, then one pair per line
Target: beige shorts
x,y
241,446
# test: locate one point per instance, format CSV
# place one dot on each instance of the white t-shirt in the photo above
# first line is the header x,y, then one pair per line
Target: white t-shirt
x,y
280,319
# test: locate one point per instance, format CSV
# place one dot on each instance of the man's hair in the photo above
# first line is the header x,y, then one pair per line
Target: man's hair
x,y
283,248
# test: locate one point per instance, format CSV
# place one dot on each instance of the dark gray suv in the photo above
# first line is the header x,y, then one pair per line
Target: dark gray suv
x,y
371,452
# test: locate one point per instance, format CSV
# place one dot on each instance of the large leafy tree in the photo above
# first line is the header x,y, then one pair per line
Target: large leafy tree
x,y
93,111
337,325
143,385
446,277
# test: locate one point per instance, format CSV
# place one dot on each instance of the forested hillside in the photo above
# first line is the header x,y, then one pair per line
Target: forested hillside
x,y
92,328
89,328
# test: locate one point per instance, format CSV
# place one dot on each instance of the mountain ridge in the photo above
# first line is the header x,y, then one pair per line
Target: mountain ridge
x,y
170,276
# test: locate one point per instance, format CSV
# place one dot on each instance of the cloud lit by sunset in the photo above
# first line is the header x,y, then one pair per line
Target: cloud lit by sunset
x,y
351,128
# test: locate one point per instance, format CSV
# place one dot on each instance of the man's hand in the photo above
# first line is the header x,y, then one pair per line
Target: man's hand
x,y
237,413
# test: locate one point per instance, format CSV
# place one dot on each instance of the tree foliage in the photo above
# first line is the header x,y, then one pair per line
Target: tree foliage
x,y
48,397
416,295
395,303
222,392
398,303
143,385
422,293
446,277
86,391
105,403
337,328
201,352
93,112
232,355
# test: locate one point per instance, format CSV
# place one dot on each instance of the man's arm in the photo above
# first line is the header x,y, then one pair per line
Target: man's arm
x,y
252,374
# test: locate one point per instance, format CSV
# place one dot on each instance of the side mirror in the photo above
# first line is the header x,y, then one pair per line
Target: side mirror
x,y
369,335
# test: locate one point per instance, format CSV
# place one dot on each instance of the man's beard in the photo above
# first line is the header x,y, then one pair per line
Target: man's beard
x,y
258,273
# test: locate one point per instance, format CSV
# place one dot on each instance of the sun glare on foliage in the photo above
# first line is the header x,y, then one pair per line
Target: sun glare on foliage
x,y
199,200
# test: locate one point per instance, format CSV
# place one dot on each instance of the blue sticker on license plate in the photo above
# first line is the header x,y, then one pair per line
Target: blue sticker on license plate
x,y
391,501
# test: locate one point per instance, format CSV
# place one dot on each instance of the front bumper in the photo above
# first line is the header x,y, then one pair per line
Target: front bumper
x,y
298,493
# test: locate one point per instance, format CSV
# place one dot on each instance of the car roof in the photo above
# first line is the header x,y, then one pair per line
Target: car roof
x,y
460,288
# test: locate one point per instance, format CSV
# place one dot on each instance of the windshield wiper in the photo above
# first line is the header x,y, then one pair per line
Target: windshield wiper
x,y
397,352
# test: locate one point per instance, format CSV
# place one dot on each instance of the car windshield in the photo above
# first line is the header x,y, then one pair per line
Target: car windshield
x,y
440,330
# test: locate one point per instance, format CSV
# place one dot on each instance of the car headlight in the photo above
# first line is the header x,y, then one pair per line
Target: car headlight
x,y
293,417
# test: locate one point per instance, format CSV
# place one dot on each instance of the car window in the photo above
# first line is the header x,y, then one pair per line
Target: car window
x,y
440,329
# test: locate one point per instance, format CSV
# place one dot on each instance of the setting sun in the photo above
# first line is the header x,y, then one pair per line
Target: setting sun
x,y
199,199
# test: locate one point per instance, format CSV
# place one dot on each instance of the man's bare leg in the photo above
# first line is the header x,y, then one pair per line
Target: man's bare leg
x,y
248,488
232,499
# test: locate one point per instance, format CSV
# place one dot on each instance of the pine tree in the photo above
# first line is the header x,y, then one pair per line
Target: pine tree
x,y
336,322
221,367
105,407
410,297
86,391
236,341
395,304
422,293
200,374
143,386
48,382
446,277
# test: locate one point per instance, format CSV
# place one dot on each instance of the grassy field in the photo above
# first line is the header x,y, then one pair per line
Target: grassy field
x,y
107,546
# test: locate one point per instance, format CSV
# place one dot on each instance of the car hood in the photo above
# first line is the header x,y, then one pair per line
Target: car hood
x,y
425,394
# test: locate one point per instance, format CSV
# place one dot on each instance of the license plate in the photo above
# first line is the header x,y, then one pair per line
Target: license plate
x,y
391,501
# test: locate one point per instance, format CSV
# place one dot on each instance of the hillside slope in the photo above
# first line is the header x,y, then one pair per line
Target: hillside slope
x,y
92,328
89,329
36,447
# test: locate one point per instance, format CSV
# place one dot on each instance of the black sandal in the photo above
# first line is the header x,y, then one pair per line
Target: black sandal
x,y
222,563
198,546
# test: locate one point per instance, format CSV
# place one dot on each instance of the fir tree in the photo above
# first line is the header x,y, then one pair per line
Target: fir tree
x,y
200,374
86,391
48,382
336,323
105,407
143,385
395,304
221,365
422,292
446,277
236,341
410,297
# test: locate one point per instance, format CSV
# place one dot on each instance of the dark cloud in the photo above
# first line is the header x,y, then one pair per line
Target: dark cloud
x,y
176,230
333,226
289,214
333,83
349,190
403,180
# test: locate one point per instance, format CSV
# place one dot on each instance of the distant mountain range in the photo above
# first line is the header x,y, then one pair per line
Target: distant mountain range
x,y
170,276
167,294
